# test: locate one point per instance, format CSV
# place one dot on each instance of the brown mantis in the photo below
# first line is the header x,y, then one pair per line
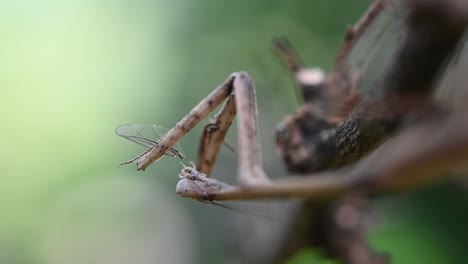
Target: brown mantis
x,y
254,183
340,142
238,92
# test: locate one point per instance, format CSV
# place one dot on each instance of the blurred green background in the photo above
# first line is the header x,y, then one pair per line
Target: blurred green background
x,y
72,71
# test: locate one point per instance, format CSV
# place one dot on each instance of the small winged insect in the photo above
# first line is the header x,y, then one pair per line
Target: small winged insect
x,y
148,136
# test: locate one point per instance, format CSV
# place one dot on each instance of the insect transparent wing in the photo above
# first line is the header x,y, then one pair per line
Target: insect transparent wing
x,y
136,133
176,150
147,136
452,92
375,48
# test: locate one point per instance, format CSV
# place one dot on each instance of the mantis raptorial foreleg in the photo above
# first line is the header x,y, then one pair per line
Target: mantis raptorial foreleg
x,y
213,136
200,111
250,170
240,93
243,101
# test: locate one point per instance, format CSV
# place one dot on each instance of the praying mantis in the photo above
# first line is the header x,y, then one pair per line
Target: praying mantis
x,y
350,111
393,135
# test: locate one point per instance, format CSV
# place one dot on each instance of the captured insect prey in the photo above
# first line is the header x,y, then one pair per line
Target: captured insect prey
x,y
148,136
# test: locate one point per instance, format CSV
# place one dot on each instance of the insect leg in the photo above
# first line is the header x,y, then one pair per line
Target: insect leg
x,y
213,136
